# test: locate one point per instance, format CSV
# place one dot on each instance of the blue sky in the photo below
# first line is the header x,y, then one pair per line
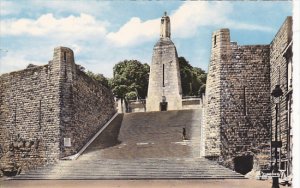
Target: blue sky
x,y
103,33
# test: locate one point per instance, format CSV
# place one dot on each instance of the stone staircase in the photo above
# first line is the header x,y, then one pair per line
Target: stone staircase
x,y
134,169
146,145
151,135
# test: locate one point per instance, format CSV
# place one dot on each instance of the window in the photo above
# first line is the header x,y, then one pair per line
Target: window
x,y
215,40
163,75
65,56
289,73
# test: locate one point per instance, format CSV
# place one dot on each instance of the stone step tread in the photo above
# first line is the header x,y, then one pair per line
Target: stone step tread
x,y
107,171
128,172
137,165
138,168
134,171
132,174
116,169
126,177
140,162
107,168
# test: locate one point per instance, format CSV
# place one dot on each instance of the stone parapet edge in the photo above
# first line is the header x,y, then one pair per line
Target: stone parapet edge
x,y
75,156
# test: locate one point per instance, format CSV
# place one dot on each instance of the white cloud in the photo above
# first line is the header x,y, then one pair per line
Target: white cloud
x,y
135,31
16,61
31,39
83,26
185,22
246,26
7,8
191,15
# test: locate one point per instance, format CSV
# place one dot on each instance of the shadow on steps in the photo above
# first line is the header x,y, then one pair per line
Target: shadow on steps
x,y
109,137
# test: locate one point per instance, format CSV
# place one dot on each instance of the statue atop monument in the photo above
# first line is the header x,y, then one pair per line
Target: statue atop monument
x,y
165,27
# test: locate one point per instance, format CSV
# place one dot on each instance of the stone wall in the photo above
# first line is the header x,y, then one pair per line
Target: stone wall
x,y
41,106
203,117
220,43
191,103
280,54
245,99
140,105
87,106
238,97
30,116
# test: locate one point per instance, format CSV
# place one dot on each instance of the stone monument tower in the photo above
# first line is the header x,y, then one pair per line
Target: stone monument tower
x,y
164,90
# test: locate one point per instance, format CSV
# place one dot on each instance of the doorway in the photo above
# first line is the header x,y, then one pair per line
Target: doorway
x,y
163,106
243,164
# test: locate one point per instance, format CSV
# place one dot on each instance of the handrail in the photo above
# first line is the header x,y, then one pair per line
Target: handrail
x,y
75,156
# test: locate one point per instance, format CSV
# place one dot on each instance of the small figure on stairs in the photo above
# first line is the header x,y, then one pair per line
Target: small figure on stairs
x,y
183,134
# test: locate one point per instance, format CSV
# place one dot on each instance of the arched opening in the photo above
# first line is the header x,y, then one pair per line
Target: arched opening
x,y
243,164
163,104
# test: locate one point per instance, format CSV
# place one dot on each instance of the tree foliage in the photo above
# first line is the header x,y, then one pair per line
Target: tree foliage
x,y
98,77
130,79
193,79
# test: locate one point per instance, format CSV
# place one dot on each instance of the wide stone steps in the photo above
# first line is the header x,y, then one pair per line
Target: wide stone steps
x,y
143,146
151,135
134,169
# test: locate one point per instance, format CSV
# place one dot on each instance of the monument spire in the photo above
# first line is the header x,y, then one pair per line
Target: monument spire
x,y
164,88
165,26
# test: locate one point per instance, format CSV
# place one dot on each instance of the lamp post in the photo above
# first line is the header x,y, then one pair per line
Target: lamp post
x,y
276,94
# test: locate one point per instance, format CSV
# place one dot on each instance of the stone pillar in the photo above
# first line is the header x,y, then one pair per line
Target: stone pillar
x,y
63,63
164,81
220,46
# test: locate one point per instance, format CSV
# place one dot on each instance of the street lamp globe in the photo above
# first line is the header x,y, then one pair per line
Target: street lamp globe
x,y
276,93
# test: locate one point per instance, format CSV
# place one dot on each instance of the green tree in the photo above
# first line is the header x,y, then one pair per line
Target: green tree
x,y
98,77
130,80
193,79
200,82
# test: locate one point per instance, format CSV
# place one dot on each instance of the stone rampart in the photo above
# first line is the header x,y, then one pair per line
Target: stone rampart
x,y
238,97
245,109
220,45
30,116
49,112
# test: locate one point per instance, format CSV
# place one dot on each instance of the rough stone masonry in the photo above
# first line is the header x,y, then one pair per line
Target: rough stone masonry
x,y
238,101
49,112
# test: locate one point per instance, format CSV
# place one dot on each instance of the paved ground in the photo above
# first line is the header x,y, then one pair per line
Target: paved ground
x,y
135,183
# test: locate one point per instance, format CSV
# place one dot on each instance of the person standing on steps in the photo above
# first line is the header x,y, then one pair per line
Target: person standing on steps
x,y
183,134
